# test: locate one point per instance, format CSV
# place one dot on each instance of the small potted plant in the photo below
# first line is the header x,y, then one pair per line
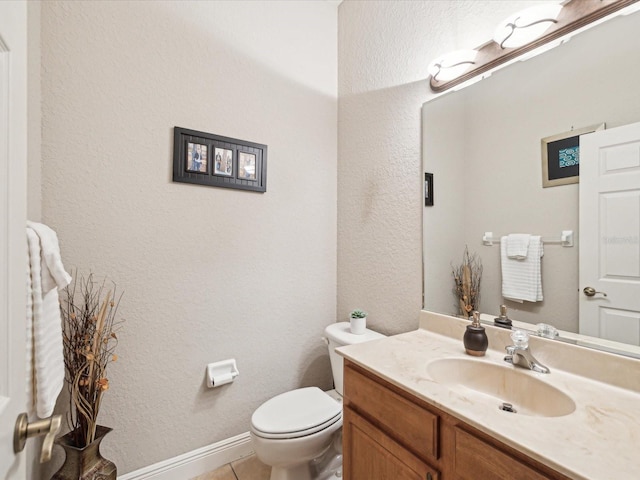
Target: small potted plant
x,y
358,320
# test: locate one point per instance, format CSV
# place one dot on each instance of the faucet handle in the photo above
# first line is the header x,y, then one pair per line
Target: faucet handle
x,y
546,331
520,339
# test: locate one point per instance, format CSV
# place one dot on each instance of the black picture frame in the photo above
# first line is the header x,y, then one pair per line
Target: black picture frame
x,y
214,175
561,156
428,189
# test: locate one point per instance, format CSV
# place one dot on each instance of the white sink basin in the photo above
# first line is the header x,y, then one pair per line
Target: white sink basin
x,y
527,394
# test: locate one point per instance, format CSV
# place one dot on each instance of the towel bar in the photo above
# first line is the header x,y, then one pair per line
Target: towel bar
x,y
565,239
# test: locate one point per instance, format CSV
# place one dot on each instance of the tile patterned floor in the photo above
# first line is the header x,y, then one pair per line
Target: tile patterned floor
x,y
248,468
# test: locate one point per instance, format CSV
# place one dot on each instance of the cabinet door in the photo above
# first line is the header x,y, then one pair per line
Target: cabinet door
x,y
405,421
476,459
370,454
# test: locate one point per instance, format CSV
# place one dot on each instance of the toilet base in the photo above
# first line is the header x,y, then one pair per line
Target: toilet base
x,y
327,466
332,471
300,472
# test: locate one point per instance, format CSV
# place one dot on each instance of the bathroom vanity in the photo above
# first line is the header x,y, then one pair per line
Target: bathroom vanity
x,y
388,433
416,407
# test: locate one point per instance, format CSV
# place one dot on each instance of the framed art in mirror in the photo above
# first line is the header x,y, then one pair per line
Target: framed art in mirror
x,y
206,159
561,156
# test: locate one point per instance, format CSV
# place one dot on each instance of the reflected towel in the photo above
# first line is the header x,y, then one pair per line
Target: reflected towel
x,y
44,325
522,278
518,245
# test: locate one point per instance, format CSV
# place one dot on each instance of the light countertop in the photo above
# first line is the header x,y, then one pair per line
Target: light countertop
x,y
598,441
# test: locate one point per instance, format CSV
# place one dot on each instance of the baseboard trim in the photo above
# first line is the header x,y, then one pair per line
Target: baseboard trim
x,y
196,462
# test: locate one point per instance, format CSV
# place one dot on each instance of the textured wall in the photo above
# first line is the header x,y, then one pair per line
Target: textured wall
x,y
384,50
208,273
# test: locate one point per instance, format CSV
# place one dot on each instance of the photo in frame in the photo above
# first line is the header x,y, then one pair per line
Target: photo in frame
x,y
246,166
203,158
223,161
561,156
196,158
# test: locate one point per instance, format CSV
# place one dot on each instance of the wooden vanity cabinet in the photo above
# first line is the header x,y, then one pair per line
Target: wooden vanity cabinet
x,y
371,454
388,434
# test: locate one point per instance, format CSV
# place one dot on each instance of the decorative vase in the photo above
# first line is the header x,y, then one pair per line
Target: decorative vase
x,y
358,325
475,338
85,463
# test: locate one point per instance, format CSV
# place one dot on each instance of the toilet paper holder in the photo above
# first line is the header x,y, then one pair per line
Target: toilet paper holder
x,y
221,373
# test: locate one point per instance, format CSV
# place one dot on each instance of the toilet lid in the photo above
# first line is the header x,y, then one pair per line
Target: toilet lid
x,y
340,333
296,413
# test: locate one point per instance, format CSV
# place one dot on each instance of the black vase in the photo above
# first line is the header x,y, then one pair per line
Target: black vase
x,y
85,463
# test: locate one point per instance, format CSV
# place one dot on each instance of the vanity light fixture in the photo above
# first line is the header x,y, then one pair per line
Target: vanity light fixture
x,y
520,34
525,26
452,65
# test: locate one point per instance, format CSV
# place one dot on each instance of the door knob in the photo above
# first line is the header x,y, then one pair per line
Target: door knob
x,y
47,427
590,292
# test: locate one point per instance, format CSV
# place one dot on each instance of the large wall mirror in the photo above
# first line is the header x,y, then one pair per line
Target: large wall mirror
x,y
483,146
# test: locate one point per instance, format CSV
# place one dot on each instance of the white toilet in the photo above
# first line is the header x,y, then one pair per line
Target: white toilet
x,y
299,433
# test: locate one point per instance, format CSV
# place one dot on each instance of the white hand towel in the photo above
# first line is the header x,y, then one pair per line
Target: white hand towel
x,y
518,245
44,347
51,268
522,278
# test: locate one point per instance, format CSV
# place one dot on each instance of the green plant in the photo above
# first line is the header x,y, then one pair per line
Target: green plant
x,y
358,314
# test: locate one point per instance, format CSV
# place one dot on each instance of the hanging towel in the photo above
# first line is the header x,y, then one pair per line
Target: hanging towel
x,y
521,278
51,268
517,245
44,324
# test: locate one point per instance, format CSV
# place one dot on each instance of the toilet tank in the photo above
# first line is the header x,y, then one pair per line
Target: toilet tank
x,y
338,335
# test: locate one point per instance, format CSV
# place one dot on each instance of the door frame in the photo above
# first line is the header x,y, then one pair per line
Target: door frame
x,y
13,254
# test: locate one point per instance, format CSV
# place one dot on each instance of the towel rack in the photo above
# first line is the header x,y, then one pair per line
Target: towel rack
x,y
565,239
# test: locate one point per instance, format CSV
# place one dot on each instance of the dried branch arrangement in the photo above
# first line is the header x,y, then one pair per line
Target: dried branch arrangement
x,y
467,277
89,340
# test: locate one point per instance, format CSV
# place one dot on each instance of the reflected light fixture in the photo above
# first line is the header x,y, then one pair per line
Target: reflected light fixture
x,y
452,65
526,26
523,34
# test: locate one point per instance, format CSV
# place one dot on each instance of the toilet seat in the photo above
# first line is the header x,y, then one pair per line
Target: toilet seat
x,y
295,414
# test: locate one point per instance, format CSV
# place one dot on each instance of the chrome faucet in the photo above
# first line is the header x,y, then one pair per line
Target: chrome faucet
x,y
520,355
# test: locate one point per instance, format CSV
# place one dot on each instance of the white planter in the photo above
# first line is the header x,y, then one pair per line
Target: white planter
x,y
358,325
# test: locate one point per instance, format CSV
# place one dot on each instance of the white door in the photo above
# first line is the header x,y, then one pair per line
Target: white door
x,y
13,159
610,234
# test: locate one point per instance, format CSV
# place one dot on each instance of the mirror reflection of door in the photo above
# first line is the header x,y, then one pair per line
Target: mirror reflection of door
x,y
610,234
